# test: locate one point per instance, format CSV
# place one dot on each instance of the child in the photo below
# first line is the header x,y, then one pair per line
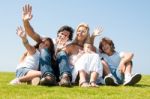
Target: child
x,y
117,66
27,69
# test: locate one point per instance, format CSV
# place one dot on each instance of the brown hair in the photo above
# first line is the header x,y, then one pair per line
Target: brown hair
x,y
108,41
51,49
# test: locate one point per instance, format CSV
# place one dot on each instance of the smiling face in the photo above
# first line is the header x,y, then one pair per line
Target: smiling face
x,y
107,46
45,44
82,33
63,35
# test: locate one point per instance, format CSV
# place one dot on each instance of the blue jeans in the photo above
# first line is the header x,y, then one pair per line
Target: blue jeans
x,y
45,63
116,73
62,60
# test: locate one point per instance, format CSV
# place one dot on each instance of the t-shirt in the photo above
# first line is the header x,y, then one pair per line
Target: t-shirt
x,y
113,61
31,61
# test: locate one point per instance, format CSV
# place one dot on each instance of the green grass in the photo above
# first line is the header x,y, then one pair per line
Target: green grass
x,y
139,91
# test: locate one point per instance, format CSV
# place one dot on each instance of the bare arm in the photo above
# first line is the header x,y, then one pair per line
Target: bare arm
x,y
27,16
97,32
20,32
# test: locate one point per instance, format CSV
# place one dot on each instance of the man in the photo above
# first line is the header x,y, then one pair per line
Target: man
x,y
64,36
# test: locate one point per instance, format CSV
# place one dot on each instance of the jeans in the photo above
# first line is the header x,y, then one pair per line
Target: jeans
x,y
45,63
119,77
62,60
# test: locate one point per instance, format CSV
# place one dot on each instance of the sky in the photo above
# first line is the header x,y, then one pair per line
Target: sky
x,y
126,22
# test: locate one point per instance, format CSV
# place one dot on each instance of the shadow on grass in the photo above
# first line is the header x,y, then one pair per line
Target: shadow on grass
x,y
141,85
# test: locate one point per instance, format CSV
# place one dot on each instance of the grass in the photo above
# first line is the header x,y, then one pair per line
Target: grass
x,y
139,91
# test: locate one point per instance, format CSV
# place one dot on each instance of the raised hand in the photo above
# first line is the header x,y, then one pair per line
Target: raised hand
x,y
27,12
20,32
97,31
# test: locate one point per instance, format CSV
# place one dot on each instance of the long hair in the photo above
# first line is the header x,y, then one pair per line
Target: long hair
x,y
76,41
51,49
108,41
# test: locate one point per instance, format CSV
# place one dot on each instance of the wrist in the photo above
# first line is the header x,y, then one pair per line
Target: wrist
x,y
25,41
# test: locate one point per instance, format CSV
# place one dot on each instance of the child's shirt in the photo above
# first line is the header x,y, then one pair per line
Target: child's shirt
x,y
30,61
113,61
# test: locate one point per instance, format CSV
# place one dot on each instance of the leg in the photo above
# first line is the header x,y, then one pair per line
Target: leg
x,y
30,75
82,79
48,77
129,78
109,79
45,63
93,78
62,60
106,69
65,71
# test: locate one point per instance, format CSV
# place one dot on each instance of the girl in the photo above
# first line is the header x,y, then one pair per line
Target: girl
x,y
117,66
28,66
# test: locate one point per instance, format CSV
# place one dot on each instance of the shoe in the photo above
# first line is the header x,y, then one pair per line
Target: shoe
x,y
132,80
65,81
15,82
110,80
48,80
35,81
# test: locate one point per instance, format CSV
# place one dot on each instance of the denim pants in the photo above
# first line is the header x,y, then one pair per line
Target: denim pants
x,y
119,77
46,65
63,63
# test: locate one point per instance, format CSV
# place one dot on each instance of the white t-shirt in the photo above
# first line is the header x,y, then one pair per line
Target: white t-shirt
x,y
31,61
114,60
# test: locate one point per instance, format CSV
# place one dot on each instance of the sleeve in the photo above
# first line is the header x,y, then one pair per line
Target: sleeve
x,y
121,54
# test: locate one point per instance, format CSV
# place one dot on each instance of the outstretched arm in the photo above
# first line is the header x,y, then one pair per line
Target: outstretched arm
x,y
20,32
27,16
97,32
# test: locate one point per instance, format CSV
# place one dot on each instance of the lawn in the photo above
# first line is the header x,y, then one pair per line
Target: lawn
x,y
139,91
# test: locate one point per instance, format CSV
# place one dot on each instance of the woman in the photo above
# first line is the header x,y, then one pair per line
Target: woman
x,y
74,49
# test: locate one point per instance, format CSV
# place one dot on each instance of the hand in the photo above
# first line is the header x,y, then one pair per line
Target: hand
x,y
27,12
61,41
97,31
21,33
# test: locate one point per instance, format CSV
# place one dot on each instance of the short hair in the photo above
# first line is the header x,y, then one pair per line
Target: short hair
x,y
66,28
108,41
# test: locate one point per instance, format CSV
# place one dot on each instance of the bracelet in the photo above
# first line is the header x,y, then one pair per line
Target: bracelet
x,y
26,42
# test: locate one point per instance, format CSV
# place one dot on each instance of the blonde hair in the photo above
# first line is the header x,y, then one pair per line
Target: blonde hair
x,y
81,25
84,25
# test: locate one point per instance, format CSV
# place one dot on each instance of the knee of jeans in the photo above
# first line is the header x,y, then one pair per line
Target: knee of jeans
x,y
61,53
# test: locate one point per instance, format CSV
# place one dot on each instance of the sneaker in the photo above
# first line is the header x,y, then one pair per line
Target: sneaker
x,y
65,81
48,80
35,81
132,80
15,82
110,80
